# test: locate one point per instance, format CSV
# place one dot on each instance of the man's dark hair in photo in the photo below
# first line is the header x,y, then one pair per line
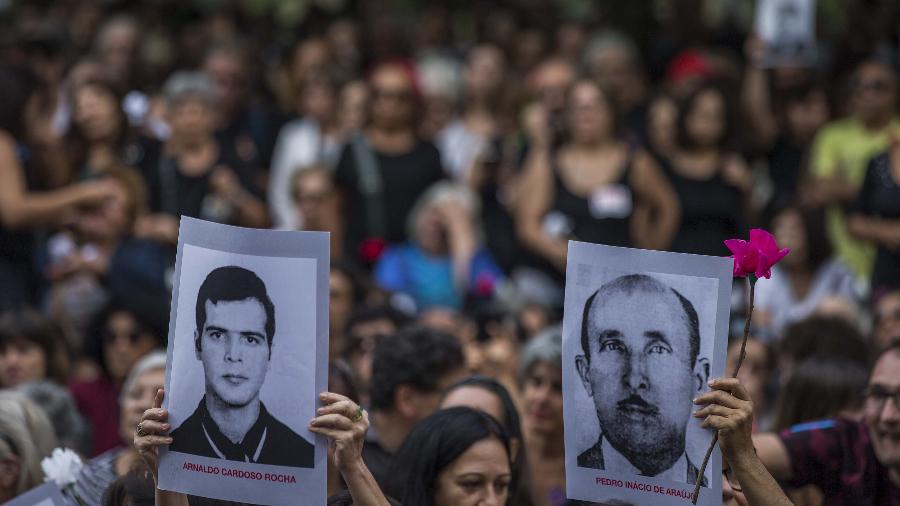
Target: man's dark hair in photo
x,y
232,284
415,356
635,282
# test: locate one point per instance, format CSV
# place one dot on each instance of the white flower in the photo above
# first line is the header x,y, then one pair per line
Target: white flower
x,y
62,467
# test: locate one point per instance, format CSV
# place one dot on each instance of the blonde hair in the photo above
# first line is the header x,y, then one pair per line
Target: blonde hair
x,y
26,433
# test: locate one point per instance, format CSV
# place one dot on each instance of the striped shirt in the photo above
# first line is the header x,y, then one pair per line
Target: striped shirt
x,y
96,475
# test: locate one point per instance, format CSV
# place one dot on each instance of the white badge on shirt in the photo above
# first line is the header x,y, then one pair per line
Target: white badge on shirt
x,y
611,201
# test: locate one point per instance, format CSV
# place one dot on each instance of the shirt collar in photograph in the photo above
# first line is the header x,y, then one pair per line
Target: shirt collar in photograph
x,y
248,449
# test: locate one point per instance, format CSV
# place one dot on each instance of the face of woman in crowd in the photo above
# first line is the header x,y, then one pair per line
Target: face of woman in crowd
x,y
192,118
480,476
874,91
124,344
313,190
475,397
318,102
340,301
96,113
107,220
661,121
352,107
139,399
484,71
590,119
431,231
542,401
805,117
706,121
21,361
392,99
789,233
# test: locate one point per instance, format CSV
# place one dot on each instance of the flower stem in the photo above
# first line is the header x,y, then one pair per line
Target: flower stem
x,y
712,444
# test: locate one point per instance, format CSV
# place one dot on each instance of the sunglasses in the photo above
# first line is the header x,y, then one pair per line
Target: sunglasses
x,y
872,85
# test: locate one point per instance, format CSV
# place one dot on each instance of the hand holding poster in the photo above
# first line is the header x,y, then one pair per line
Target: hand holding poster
x,y
248,344
643,332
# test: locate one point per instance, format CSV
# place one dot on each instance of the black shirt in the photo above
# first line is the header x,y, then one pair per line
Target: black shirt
x,y
267,442
880,196
711,212
404,176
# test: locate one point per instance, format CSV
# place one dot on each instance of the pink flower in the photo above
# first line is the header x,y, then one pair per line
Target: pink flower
x,y
755,258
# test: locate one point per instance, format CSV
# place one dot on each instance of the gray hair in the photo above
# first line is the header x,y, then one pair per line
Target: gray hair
x,y
26,433
608,39
439,193
545,347
56,401
189,84
149,362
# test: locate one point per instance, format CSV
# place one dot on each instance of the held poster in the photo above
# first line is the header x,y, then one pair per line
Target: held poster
x,y
248,344
643,333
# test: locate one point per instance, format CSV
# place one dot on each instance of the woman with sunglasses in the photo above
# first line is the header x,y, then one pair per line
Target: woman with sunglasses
x,y
382,172
727,408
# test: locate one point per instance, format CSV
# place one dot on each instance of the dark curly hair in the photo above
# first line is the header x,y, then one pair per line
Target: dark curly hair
x,y
416,356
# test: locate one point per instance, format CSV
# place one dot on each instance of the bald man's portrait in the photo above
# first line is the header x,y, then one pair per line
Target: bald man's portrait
x,y
640,363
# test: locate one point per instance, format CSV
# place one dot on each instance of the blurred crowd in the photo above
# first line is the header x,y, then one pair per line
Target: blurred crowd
x,y
452,149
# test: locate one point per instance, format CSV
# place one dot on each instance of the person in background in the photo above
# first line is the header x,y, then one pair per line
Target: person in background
x,y
316,205
138,392
244,127
490,396
382,172
875,216
410,371
366,327
467,137
612,60
27,437
21,208
886,313
662,120
133,489
194,174
32,348
821,337
842,149
852,462
99,135
805,278
820,388
594,187
713,184
456,457
443,261
352,108
540,380
101,260
313,139
118,339
347,289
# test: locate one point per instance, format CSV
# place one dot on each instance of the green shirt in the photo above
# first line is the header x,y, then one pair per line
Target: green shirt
x,y
845,145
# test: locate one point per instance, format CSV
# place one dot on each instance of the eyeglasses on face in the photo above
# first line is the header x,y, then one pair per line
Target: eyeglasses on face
x,y
877,396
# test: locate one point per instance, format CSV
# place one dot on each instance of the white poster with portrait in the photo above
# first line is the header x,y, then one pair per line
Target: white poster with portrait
x,y
247,357
643,333
787,28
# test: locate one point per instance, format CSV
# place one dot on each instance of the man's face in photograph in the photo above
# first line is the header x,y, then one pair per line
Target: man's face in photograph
x,y
640,374
234,350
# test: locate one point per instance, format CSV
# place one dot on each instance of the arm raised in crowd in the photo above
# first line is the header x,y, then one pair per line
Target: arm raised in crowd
x,y
21,209
728,409
345,424
535,193
657,214
155,425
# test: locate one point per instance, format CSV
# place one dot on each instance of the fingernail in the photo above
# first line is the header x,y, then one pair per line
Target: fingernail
x,y
711,382
320,411
165,426
696,400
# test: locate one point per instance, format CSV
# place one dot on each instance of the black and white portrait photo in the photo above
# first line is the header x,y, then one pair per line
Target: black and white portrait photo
x,y
246,362
236,324
641,341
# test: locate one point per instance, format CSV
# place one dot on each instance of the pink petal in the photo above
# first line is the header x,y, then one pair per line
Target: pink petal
x,y
736,246
764,241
